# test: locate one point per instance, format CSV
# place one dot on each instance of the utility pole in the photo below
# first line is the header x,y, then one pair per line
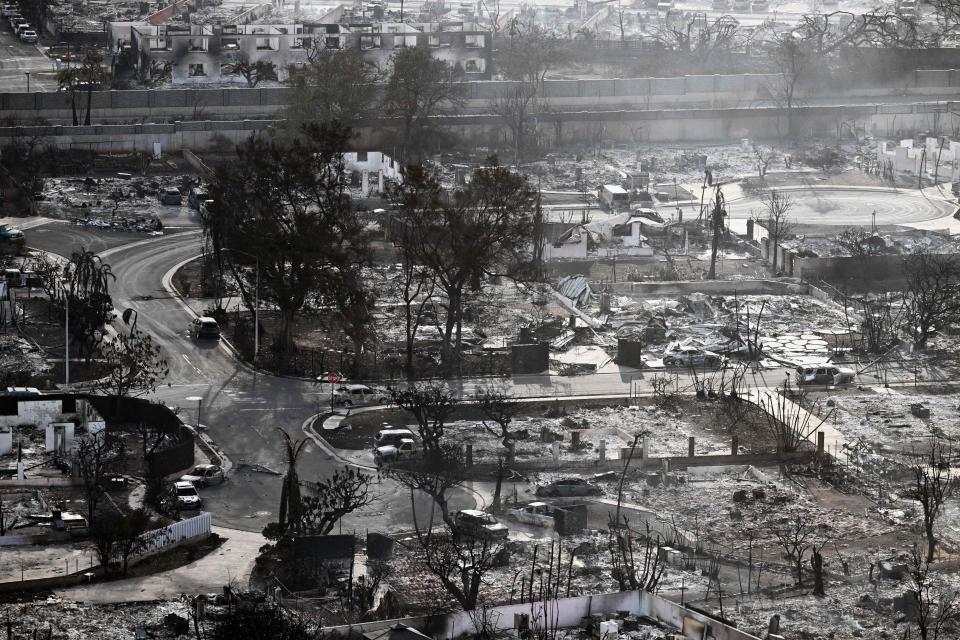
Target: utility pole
x,y
66,339
256,314
716,218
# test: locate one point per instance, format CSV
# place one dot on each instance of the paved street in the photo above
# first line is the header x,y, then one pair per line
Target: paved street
x,y
843,207
17,58
244,408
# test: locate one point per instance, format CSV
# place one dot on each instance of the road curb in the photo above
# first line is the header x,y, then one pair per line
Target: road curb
x,y
213,451
167,283
308,429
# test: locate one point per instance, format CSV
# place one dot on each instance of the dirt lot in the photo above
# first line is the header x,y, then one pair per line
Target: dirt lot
x,y
667,427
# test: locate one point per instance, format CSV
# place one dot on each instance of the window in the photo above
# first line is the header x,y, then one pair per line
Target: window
x,y
474,41
8,406
197,44
300,43
69,405
265,44
361,156
370,42
332,43
195,70
230,44
159,44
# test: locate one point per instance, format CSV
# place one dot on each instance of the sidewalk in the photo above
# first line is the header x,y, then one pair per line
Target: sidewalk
x,y
231,563
834,441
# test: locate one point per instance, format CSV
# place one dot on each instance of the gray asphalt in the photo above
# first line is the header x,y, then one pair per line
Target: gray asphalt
x,y
243,408
17,58
841,207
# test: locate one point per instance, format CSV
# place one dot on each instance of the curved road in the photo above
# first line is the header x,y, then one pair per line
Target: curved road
x,y
244,408
841,207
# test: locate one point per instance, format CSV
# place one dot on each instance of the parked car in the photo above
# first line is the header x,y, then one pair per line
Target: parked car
x,y
567,487
539,514
825,374
8,10
204,207
353,395
391,435
187,496
692,357
478,524
21,26
646,213
197,196
10,234
171,196
204,475
392,452
205,328
29,37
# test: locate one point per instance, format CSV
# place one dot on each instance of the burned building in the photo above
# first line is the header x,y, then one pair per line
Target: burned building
x,y
208,53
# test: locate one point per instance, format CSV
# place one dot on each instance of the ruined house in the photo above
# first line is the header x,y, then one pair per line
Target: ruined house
x,y
209,53
564,240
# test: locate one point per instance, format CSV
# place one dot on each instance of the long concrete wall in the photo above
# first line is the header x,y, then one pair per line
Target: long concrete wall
x,y
555,128
713,91
562,614
710,287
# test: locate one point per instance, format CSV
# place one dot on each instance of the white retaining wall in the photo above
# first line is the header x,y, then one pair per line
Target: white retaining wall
x,y
563,613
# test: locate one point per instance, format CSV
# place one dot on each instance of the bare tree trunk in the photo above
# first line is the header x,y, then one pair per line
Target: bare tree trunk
x,y
86,117
816,563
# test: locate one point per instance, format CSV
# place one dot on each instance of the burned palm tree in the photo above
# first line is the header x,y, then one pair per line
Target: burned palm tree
x,y
86,287
291,503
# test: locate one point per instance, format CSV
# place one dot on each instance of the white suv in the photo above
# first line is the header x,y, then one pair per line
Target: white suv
x,y
187,497
353,395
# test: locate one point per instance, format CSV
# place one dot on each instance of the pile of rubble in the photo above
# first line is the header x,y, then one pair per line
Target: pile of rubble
x,y
20,360
896,417
127,203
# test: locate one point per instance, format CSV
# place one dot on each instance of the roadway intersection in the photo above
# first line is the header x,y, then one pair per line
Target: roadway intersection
x,y
243,408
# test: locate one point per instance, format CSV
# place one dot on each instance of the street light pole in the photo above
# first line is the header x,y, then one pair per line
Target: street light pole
x,y
199,401
256,315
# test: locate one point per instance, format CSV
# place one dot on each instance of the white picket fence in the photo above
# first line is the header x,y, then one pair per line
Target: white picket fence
x,y
172,534
177,532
